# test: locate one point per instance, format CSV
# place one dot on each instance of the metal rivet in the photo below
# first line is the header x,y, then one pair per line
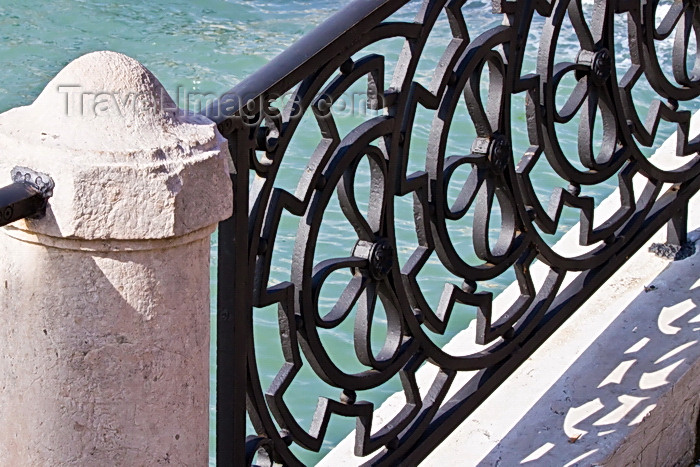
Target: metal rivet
x,y
322,105
348,397
574,189
347,66
286,437
531,214
262,246
469,286
418,314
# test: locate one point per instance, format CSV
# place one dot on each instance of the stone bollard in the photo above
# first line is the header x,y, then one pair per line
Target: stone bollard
x,y
104,310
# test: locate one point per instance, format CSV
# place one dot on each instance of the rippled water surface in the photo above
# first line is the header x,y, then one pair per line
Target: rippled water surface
x,y
208,46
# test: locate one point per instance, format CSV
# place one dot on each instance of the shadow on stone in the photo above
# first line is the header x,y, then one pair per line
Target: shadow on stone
x,y
605,402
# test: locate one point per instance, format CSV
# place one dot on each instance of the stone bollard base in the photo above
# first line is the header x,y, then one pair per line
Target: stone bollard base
x,y
112,373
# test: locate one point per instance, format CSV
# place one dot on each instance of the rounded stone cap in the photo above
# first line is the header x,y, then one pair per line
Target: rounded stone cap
x,y
127,163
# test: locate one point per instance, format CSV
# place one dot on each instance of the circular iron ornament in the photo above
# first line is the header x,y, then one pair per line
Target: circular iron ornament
x,y
371,262
490,183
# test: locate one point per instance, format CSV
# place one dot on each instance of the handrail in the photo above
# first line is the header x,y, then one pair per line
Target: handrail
x,y
335,35
316,71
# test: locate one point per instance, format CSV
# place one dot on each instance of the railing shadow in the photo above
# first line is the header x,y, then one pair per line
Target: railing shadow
x,y
608,391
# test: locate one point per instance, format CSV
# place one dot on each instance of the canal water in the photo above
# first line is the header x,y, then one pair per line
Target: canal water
x,y
206,47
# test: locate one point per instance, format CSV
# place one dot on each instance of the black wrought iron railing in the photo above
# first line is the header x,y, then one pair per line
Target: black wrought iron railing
x,y
611,132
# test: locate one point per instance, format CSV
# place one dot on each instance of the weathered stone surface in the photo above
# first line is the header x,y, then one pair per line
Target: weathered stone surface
x,y
104,340
127,163
105,357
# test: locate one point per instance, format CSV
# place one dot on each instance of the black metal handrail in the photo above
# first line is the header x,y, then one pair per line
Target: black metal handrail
x,y
316,71
334,37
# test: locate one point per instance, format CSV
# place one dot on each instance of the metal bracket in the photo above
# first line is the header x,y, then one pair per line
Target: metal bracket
x,y
27,197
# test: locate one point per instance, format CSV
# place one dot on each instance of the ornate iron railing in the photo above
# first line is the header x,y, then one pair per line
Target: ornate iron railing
x,y
316,71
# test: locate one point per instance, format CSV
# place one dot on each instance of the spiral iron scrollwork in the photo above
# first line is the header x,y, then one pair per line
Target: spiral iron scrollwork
x,y
496,193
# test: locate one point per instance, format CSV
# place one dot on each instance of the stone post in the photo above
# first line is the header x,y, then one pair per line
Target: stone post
x,y
104,308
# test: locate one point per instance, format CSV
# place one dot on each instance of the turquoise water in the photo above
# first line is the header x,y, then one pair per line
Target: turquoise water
x,y
210,45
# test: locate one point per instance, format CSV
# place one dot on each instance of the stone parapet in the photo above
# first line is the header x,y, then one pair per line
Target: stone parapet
x,y
105,300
